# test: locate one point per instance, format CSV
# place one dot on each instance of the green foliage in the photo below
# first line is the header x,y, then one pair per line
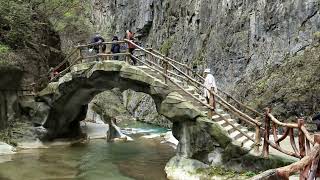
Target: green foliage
x,y
316,35
15,26
20,19
166,46
4,49
224,172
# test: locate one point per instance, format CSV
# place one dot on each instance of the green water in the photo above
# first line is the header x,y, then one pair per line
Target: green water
x,y
140,159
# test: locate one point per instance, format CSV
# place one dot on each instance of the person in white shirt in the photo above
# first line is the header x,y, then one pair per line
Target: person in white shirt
x,y
209,83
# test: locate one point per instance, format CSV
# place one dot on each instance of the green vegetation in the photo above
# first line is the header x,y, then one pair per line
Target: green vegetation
x,y
290,85
8,59
226,173
166,46
316,35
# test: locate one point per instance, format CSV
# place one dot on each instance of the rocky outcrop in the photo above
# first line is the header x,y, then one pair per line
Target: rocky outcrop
x,y
142,107
10,79
242,41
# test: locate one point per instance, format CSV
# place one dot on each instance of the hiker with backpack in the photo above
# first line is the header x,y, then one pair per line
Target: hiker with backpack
x,y
115,48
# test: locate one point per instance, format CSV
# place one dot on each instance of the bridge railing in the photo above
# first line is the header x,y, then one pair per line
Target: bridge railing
x,y
309,155
308,166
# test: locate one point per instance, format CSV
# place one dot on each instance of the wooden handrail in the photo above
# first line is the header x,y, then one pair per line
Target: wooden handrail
x,y
188,68
290,125
200,84
177,62
241,104
307,134
100,43
181,88
286,171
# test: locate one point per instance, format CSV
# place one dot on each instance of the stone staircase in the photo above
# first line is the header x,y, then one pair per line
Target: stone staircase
x,y
234,134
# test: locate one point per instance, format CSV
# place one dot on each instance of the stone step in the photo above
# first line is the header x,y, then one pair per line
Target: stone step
x,y
228,128
197,95
224,124
235,134
251,134
248,144
218,118
242,139
191,89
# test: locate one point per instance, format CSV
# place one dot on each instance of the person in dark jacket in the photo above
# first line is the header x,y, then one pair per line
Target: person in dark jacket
x,y
115,48
98,39
316,119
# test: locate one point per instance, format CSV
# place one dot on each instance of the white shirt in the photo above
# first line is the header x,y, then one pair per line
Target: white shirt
x,y
209,83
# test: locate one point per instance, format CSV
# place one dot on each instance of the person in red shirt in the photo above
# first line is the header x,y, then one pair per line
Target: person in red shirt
x,y
131,47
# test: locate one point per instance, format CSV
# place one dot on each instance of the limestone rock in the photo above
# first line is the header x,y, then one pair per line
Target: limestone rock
x,y
176,108
6,149
179,168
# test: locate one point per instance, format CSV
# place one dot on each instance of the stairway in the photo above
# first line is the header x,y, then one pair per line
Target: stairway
x,y
233,133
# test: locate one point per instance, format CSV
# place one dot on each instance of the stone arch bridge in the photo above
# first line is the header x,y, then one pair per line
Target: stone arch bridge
x,y
67,101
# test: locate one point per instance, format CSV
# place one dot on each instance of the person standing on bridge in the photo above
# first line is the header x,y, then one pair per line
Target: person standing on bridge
x,y
97,39
131,47
209,83
115,48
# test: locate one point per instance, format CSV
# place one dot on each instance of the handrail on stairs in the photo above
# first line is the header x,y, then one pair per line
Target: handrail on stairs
x,y
234,110
191,71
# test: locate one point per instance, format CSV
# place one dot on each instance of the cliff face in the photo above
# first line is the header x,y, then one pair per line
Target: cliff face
x,y
241,41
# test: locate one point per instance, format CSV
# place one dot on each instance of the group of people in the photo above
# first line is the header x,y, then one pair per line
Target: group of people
x,y
115,48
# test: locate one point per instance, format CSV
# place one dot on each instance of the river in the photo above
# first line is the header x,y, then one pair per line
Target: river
x,y
94,160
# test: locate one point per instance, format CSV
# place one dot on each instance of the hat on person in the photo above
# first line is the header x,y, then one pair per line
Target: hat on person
x,y
207,70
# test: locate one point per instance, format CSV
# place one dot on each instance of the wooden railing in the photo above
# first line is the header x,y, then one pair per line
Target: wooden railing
x,y
309,156
308,166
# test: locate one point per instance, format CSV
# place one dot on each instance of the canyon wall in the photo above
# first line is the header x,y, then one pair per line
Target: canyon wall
x,y
242,41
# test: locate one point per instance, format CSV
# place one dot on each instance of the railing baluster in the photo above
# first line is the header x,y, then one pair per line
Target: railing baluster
x,y
257,139
266,134
275,134
293,142
301,145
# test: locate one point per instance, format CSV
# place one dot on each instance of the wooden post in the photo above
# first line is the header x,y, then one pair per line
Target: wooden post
x,y
80,54
301,145
315,163
257,139
302,140
212,104
266,134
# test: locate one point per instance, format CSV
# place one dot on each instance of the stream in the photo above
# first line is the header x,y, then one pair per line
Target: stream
x,y
97,159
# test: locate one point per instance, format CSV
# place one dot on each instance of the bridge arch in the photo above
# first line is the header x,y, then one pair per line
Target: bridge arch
x,y
68,98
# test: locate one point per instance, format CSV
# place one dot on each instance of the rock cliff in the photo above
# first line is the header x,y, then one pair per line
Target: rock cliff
x,y
241,41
